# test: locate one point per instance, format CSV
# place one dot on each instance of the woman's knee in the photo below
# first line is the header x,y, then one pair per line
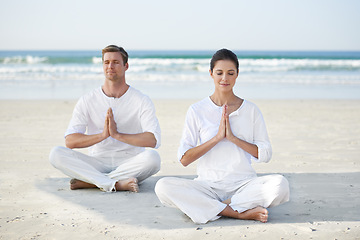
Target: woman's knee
x,y
164,190
163,186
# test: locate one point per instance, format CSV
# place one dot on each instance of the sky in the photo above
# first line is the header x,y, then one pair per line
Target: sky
x,y
180,25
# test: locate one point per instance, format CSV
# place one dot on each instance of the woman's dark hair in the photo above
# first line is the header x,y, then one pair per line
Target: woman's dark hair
x,y
224,54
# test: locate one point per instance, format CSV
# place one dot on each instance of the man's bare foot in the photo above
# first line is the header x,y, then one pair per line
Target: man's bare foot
x,y
129,184
78,184
258,214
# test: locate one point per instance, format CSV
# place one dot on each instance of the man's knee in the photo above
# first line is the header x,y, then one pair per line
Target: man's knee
x,y
282,186
152,160
56,155
285,188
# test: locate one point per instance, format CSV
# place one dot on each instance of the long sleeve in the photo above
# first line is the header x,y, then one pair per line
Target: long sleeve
x,y
190,134
149,122
261,140
78,122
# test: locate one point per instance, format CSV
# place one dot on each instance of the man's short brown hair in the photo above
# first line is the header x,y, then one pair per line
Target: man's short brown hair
x,y
114,48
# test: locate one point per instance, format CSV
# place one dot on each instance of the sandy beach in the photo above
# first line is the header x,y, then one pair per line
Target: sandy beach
x,y
316,145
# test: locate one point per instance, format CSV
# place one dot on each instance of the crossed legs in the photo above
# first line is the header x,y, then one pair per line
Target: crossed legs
x,y
257,213
202,203
90,172
130,184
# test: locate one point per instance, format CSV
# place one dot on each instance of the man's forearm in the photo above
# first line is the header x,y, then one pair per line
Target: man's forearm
x,y
79,140
145,139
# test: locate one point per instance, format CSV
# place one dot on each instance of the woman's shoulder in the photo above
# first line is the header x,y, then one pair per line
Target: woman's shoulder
x,y
251,108
204,103
249,104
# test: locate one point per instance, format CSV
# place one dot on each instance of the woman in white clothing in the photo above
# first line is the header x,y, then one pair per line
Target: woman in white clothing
x,y
224,134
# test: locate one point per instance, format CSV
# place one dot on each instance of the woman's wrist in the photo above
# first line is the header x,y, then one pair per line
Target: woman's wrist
x,y
232,138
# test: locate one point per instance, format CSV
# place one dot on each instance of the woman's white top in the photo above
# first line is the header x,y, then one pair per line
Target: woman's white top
x,y
225,162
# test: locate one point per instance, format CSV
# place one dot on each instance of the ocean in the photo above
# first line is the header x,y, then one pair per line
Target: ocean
x,y
182,74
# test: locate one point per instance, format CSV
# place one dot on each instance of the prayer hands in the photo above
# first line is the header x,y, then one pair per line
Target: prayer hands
x,y
112,124
110,128
106,132
224,128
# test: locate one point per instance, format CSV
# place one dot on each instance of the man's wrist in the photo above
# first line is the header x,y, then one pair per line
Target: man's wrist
x,y
118,136
103,136
216,139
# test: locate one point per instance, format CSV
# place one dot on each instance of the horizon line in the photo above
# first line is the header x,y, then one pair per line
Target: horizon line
x,y
193,50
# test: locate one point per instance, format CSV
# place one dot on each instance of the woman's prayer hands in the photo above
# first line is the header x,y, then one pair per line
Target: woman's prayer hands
x,y
224,128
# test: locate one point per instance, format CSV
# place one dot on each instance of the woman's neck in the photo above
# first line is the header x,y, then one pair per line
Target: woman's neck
x,y
221,99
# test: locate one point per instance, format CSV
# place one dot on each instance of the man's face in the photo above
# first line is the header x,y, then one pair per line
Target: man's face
x,y
114,68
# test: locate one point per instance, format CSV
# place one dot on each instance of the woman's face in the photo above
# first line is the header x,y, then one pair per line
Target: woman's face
x,y
224,75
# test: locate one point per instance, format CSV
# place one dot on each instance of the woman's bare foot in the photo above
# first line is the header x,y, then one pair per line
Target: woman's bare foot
x,y
258,214
129,184
78,184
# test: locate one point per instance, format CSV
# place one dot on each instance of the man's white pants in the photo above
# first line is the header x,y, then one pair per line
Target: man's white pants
x,y
202,201
105,172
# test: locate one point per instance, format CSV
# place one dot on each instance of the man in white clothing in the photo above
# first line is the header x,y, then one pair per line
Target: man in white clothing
x,y
117,123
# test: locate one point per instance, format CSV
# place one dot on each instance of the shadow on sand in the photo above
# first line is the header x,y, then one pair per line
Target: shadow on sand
x,y
314,197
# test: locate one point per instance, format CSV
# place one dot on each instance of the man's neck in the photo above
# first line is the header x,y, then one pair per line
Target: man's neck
x,y
114,89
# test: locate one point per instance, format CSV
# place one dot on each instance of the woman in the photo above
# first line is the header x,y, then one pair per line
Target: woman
x,y
223,134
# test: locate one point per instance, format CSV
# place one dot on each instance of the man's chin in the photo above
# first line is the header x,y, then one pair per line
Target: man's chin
x,y
112,78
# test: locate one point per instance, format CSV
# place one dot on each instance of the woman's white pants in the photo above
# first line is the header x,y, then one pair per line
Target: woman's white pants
x,y
203,201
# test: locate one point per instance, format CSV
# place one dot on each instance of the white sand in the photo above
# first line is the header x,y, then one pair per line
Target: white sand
x,y
316,146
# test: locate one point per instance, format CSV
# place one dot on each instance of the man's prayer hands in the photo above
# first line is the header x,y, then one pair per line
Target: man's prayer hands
x,y
112,124
110,128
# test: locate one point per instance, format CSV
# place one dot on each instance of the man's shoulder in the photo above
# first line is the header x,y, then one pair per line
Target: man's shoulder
x,y
135,91
137,94
92,95
89,97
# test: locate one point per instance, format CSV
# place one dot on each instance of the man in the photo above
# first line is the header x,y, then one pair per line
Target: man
x,y
116,122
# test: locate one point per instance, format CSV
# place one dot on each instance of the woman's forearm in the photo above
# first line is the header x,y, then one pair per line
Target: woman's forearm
x,y
195,153
247,147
